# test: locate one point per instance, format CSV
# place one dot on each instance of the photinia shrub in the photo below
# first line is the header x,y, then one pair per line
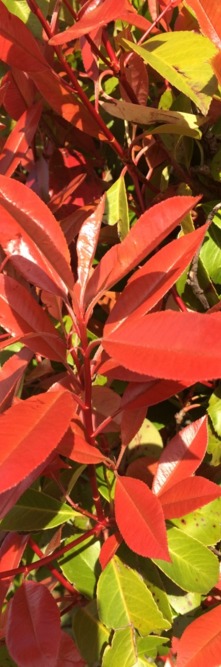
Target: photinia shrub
x,y
110,329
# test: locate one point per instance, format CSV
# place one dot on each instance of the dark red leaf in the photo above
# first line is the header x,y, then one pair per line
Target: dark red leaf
x,y
182,456
19,139
151,228
109,548
31,431
97,16
150,283
148,393
68,653
20,314
187,495
169,345
33,632
200,643
140,518
18,47
10,375
33,238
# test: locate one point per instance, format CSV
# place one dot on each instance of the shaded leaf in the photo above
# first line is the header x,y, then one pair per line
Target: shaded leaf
x,y
11,552
36,510
68,653
33,626
140,518
11,374
190,339
80,565
87,624
193,567
187,495
33,238
124,608
182,456
19,139
148,232
77,448
21,315
201,641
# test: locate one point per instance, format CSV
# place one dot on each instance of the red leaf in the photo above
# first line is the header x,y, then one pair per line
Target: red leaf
x,y
11,552
20,314
15,101
106,402
151,228
131,422
182,456
200,644
170,345
208,13
86,248
140,518
33,632
19,139
75,447
150,283
18,48
68,653
138,394
31,430
187,495
216,63
97,16
109,549
10,375
33,238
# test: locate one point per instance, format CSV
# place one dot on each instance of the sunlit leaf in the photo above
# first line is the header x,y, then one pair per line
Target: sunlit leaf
x,y
201,641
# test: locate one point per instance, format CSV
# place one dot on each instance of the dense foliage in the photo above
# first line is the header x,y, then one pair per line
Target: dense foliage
x,y
110,297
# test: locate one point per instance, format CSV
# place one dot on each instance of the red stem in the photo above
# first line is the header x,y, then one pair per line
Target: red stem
x,y
53,570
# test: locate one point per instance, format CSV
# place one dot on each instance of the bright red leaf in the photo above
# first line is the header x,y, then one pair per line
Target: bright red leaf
x,y
208,13
169,345
188,495
33,238
11,552
151,282
75,447
148,232
19,139
33,632
140,518
138,394
200,644
10,375
216,63
31,431
181,456
20,314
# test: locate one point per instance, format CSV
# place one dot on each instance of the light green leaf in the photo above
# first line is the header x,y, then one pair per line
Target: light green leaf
x,y
116,209
176,122
81,566
154,582
150,646
37,511
193,567
187,68
122,651
210,253
214,446
21,9
90,634
130,601
204,524
214,410
183,604
146,442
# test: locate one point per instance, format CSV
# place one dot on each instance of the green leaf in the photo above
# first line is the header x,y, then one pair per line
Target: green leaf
x,y
130,601
214,446
187,68
204,524
146,442
214,410
210,253
5,659
183,604
81,566
37,511
122,650
116,210
90,634
21,9
194,568
150,646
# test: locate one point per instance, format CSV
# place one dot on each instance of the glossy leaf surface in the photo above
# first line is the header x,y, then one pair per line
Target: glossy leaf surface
x,y
122,608
188,495
140,518
80,565
33,238
182,456
20,139
11,374
36,510
33,626
192,340
208,14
